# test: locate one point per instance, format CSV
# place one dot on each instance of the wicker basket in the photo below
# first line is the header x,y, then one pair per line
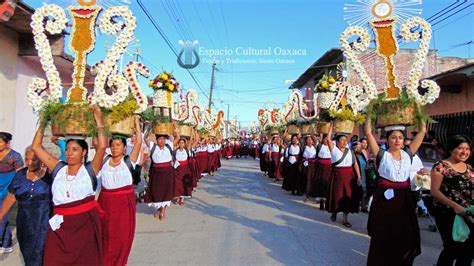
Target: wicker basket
x,y
213,133
293,130
274,131
307,129
164,129
185,131
323,127
76,123
343,126
125,127
396,116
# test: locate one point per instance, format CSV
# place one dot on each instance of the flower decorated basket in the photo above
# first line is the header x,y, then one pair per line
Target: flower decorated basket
x,y
185,130
73,120
274,131
396,114
307,129
343,126
164,128
323,127
125,127
72,115
293,129
213,133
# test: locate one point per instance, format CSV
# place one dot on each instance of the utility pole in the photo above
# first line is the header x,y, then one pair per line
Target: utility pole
x,y
212,86
227,124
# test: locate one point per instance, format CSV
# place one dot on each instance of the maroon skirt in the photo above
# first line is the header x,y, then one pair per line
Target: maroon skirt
x,y
275,167
79,240
322,177
202,162
195,174
182,180
393,227
229,151
212,161
161,185
343,195
292,177
118,223
310,178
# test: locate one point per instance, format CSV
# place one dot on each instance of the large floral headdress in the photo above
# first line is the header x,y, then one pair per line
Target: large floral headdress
x,y
52,18
411,30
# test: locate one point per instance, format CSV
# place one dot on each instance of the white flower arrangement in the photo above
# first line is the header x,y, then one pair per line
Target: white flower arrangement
x,y
325,99
416,70
56,25
107,25
160,99
354,62
131,71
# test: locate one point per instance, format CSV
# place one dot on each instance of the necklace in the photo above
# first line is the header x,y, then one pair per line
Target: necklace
x,y
36,175
69,182
397,165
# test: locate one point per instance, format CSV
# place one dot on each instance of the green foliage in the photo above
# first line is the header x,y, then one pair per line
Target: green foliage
x,y
122,110
150,116
292,122
309,122
347,114
382,106
181,123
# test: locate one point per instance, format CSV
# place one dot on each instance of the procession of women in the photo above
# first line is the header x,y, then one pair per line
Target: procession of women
x,y
77,202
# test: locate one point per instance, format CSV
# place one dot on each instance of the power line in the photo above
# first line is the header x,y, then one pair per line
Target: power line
x,y
167,41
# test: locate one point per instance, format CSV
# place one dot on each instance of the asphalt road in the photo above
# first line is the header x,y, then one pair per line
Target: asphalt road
x,y
240,217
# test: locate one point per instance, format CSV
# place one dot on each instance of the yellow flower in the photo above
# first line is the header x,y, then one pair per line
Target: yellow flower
x,y
150,83
164,77
171,87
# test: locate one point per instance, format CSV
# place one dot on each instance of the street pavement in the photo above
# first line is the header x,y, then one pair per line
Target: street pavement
x,y
240,217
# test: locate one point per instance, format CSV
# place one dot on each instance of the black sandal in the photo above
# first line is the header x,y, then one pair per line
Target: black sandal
x,y
347,224
333,217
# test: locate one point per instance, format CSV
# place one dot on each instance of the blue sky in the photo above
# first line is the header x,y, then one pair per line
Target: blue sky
x,y
310,25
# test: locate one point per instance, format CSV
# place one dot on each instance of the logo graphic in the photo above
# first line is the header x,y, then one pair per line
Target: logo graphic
x,y
189,49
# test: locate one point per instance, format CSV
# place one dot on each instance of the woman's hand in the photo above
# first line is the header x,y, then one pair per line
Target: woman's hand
x,y
459,210
98,116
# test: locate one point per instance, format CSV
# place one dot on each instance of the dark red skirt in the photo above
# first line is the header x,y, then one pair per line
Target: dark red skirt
x,y
79,240
182,181
393,228
212,161
118,223
343,194
202,162
161,185
236,151
322,177
292,177
229,151
263,163
310,178
195,174
275,167
218,158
